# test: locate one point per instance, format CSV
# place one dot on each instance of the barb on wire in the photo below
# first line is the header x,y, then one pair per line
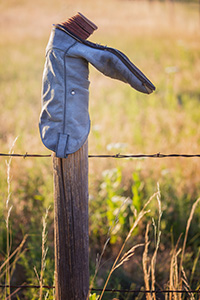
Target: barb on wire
x,y
118,155
25,155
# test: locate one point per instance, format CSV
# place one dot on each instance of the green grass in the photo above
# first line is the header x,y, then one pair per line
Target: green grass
x,y
162,40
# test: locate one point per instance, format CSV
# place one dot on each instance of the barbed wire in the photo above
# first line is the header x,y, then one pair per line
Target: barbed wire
x,y
100,290
118,155
147,291
28,286
156,155
24,155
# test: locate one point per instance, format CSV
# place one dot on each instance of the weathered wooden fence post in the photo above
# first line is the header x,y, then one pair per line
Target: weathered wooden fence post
x,y
64,126
71,225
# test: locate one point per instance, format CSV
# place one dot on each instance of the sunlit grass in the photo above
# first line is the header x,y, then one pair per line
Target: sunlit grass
x,y
160,38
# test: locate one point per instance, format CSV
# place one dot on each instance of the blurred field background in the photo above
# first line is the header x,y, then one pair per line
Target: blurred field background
x,y
162,39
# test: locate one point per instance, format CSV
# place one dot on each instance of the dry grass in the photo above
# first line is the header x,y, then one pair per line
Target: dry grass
x,y
155,35
149,268
44,249
121,259
7,268
194,206
143,30
177,276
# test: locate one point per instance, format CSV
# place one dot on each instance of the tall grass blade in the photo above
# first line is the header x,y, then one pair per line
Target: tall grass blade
x,y
44,252
173,280
146,270
8,228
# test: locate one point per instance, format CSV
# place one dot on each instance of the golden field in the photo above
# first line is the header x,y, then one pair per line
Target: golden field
x,y
162,38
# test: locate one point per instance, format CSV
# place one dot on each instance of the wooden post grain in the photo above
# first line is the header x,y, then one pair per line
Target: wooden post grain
x,y
71,225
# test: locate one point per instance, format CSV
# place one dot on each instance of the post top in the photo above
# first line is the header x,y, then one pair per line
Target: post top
x,y
88,21
80,26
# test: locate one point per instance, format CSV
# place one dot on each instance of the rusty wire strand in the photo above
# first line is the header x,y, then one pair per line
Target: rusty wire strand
x,y
118,155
